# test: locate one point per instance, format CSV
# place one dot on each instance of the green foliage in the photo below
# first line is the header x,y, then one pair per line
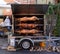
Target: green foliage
x,y
55,9
50,9
57,28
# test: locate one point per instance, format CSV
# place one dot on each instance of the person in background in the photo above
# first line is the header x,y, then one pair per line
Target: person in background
x,y
7,23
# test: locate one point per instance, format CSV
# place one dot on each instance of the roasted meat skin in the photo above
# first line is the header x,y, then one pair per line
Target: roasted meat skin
x,y
25,31
24,19
24,25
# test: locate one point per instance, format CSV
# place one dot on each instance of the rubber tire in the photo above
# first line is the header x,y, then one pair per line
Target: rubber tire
x,y
31,44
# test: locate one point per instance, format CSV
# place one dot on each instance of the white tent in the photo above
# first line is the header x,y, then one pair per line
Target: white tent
x,y
3,4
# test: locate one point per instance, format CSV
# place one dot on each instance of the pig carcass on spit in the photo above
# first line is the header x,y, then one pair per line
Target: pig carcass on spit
x,y
24,19
24,25
25,31
33,31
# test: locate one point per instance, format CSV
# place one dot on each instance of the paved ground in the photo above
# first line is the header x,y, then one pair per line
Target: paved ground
x,y
3,42
26,52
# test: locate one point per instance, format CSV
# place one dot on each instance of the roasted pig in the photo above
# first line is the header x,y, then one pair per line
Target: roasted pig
x,y
33,31
24,25
25,31
24,19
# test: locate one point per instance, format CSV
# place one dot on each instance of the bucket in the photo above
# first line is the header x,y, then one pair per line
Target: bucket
x,y
42,44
